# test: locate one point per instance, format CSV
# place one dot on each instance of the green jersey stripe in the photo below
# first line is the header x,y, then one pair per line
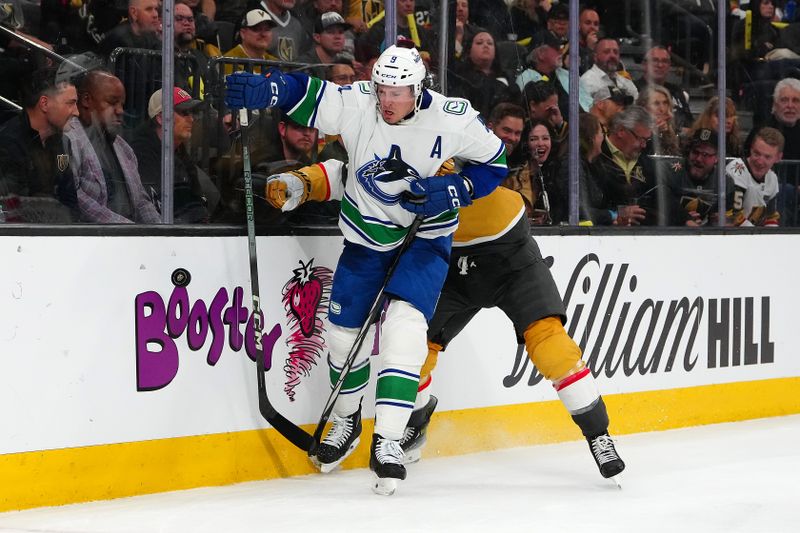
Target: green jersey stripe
x,y
306,107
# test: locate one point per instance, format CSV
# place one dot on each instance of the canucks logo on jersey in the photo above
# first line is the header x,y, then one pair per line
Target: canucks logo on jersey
x,y
387,179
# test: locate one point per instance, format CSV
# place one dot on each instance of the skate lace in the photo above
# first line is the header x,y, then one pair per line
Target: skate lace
x,y
408,435
341,428
389,451
603,449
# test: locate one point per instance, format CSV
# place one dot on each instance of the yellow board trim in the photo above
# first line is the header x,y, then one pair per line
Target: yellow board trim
x,y
57,477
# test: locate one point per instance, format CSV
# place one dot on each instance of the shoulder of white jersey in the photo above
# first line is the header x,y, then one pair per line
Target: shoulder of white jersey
x,y
359,91
737,170
459,108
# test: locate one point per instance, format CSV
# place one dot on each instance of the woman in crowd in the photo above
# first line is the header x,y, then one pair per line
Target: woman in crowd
x,y
709,119
479,78
536,180
658,102
590,210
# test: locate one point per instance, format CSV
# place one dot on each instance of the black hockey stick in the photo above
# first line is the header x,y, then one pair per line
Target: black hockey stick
x,y
372,317
282,425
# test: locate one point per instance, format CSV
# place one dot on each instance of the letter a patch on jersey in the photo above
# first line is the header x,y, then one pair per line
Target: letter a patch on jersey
x,y
436,151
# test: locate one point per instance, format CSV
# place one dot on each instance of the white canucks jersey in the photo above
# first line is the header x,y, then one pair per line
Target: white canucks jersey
x,y
384,158
754,200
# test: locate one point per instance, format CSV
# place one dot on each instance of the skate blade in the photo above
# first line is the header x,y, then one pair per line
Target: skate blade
x,y
384,486
326,468
617,480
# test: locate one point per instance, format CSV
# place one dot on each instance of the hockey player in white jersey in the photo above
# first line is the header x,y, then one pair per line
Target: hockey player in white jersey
x,y
397,135
753,201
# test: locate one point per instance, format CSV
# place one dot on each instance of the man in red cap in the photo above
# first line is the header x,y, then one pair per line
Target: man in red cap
x,y
189,201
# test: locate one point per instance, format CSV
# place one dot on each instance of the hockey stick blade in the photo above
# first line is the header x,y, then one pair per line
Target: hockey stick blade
x,y
372,316
288,429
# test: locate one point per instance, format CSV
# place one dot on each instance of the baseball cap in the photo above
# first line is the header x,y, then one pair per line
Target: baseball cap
x,y
704,136
559,12
546,38
329,19
615,94
254,17
182,101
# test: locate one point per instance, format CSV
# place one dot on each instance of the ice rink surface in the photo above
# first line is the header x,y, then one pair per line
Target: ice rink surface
x,y
738,477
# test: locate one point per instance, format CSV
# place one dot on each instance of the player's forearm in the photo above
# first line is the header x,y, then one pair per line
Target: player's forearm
x,y
484,177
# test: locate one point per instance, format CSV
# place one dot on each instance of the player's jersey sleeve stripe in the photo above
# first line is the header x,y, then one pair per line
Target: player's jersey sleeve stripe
x,y
305,111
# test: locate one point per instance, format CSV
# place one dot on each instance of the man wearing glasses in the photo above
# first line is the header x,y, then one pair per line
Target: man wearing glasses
x,y
188,44
657,65
692,181
624,172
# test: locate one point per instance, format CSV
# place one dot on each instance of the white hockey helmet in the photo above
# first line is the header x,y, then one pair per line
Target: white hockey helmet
x,y
400,67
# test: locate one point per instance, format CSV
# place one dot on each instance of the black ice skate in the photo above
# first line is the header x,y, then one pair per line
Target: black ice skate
x,y
606,457
416,432
339,443
386,460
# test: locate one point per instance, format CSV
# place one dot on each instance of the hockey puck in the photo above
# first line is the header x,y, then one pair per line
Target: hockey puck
x,y
181,277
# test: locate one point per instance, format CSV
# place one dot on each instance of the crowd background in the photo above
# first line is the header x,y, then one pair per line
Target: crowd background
x,y
82,123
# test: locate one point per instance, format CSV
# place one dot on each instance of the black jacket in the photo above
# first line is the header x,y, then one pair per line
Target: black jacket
x,y
30,169
189,204
641,190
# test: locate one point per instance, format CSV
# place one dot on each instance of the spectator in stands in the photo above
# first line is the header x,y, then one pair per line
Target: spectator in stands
x,y
296,141
329,32
709,119
622,168
785,115
507,121
592,210
558,22
203,12
528,17
340,73
543,60
105,167
494,17
605,71
308,12
33,159
371,43
189,201
589,34
753,199
763,36
187,42
141,30
658,102
289,38
608,101
479,78
762,57
465,29
657,64
256,36
536,179
542,100
544,64
692,183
